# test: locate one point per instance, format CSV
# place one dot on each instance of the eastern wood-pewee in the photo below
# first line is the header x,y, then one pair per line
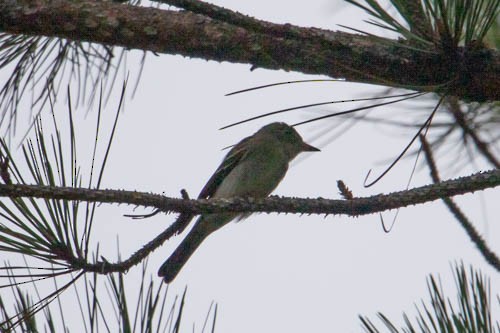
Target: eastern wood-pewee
x,y
252,168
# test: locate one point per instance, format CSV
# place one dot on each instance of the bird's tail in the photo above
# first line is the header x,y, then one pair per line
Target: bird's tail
x,y
172,266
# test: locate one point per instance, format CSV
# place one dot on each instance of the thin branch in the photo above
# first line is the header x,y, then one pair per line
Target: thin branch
x,y
474,235
244,21
355,207
105,267
461,120
352,207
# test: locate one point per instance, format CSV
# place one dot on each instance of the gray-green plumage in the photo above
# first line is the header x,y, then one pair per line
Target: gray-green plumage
x,y
252,168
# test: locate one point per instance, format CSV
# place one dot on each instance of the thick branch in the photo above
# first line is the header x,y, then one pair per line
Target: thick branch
x,y
354,207
307,50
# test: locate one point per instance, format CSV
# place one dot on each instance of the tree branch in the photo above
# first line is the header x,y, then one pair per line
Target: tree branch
x,y
472,74
473,234
351,207
105,267
463,122
354,207
243,21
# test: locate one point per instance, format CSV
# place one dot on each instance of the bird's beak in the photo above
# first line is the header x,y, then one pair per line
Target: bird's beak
x,y
306,147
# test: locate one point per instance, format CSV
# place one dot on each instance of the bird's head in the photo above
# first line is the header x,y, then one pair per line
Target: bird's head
x,y
290,140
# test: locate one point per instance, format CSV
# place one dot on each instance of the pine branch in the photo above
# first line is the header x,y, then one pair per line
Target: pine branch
x,y
468,74
468,131
354,207
469,228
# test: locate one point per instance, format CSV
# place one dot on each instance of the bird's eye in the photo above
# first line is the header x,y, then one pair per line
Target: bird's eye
x,y
289,134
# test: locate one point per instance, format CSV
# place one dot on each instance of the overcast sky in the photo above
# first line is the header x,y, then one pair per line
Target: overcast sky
x,y
281,273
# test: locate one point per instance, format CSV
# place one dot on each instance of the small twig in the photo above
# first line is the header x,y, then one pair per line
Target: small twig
x,y
461,120
488,255
185,195
244,21
344,190
104,267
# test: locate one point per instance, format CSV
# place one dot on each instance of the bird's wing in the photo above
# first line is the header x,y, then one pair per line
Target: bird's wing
x,y
235,155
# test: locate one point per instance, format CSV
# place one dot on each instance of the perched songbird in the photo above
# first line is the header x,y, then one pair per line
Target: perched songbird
x,y
252,168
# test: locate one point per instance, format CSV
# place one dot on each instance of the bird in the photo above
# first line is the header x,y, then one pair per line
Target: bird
x,y
252,168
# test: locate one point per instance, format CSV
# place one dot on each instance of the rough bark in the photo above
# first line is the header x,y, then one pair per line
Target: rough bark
x,y
472,75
